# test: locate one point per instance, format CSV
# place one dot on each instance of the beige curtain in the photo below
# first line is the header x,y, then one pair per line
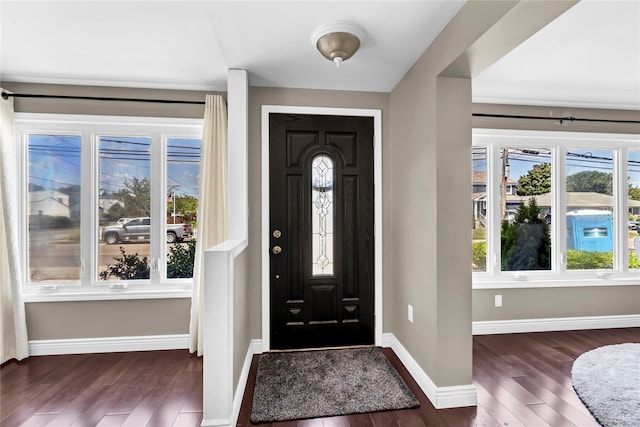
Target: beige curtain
x,y
13,325
212,205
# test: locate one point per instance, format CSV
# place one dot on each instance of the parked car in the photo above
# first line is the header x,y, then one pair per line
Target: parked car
x,y
140,229
634,225
123,220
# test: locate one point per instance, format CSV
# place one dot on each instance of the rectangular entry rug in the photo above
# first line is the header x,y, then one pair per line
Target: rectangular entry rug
x,y
324,383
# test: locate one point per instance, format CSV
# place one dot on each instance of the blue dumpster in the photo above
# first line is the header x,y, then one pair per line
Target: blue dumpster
x,y
590,230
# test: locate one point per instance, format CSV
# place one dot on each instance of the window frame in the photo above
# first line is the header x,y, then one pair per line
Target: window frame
x,y
558,142
89,128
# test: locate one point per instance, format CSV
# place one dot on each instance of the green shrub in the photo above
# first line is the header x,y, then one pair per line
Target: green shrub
x,y
634,262
479,254
180,260
128,267
44,222
588,260
525,243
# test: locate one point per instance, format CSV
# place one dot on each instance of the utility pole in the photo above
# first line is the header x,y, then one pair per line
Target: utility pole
x,y
173,197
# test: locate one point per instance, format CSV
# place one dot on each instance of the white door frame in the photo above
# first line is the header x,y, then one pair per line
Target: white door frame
x,y
377,231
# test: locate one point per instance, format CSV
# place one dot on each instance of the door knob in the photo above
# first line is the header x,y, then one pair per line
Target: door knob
x,y
276,250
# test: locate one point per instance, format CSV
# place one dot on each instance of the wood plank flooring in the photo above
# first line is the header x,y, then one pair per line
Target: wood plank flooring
x,y
155,388
522,380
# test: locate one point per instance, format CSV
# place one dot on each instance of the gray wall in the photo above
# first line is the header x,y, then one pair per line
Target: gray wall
x,y
245,327
556,302
94,319
309,98
429,192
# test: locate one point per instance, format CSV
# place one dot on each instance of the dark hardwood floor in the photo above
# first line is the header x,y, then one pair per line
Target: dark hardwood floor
x,y
522,380
155,388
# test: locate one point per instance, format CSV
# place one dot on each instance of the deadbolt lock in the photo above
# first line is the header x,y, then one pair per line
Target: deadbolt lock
x,y
277,234
276,250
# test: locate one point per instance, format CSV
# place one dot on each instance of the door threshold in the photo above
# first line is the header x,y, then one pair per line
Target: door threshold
x,y
346,347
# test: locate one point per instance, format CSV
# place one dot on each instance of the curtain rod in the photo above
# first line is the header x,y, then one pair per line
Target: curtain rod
x,y
6,95
561,119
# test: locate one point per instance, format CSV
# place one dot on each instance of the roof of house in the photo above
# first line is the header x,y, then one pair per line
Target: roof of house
x,y
584,200
577,199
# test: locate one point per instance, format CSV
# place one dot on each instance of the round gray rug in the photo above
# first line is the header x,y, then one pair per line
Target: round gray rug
x,y
607,380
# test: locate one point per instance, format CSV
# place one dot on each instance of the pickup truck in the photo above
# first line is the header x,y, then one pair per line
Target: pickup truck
x,y
140,229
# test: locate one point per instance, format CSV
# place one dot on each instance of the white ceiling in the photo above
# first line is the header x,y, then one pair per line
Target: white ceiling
x,y
587,57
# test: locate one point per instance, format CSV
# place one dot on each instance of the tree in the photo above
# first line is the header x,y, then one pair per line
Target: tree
x,y
590,182
136,197
115,212
526,243
634,192
186,205
536,181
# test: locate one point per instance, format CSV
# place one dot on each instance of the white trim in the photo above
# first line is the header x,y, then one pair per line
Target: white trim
x,y
42,294
509,282
237,153
108,344
558,276
377,167
487,327
255,347
88,287
440,397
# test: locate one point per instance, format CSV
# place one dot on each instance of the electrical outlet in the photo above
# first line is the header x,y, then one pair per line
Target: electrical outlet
x,y
498,300
410,313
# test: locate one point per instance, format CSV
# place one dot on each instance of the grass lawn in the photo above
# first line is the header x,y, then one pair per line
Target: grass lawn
x,y
479,234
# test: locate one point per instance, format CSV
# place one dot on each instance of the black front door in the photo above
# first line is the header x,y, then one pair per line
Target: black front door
x,y
321,219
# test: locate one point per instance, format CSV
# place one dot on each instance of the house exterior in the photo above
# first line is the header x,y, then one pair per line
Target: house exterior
x,y
49,202
479,197
575,200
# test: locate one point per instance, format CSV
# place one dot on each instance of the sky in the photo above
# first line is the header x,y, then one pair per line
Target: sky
x,y
578,160
54,162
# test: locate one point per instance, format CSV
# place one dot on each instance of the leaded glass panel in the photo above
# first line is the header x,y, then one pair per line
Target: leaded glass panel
x,y
322,213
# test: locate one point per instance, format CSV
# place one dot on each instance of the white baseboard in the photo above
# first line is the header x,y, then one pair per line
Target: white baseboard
x,y
108,344
440,397
554,324
255,347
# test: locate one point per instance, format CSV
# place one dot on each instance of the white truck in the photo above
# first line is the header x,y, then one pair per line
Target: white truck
x,y
137,229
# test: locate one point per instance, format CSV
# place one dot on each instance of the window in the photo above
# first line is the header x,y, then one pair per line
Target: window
x,y
569,218
52,213
109,207
322,178
479,212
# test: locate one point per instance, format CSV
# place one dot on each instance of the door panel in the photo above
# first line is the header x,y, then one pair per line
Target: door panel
x,y
321,216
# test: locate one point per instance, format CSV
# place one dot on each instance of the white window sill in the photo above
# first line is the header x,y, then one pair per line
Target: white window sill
x,y
601,278
59,293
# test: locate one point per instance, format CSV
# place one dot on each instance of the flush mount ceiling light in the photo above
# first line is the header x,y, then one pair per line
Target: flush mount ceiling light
x,y
338,41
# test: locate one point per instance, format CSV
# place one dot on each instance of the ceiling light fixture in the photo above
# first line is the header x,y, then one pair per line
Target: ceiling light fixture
x,y
338,41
